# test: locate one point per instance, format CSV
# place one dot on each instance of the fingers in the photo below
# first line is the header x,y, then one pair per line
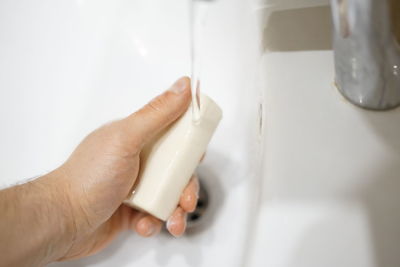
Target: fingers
x,y
147,225
176,224
144,224
188,200
146,123
190,194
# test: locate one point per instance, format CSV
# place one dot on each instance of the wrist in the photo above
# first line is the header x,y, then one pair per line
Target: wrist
x,y
36,227
59,227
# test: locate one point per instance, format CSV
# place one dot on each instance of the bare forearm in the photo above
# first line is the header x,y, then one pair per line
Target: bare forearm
x,y
34,219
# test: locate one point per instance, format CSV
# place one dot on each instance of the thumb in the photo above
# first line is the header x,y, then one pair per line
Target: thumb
x,y
147,122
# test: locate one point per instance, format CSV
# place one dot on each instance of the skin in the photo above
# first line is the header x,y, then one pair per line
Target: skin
x,y
76,210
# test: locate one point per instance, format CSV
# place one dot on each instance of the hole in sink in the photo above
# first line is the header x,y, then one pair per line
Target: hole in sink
x,y
196,216
211,198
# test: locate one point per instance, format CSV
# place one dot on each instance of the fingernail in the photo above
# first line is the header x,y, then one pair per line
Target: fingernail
x,y
145,227
179,86
173,221
197,186
151,229
170,225
190,197
184,222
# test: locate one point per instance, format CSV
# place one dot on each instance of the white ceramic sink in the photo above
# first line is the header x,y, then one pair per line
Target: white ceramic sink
x,y
331,179
67,67
328,189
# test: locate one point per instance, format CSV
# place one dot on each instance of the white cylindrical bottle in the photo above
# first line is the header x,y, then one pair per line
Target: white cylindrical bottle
x,y
168,162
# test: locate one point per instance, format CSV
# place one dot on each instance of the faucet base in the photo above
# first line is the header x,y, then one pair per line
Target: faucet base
x,y
367,55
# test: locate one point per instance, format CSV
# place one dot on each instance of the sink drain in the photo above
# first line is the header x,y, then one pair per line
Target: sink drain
x,y
211,197
196,216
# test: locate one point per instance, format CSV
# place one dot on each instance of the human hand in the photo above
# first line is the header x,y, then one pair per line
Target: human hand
x,y
77,209
101,172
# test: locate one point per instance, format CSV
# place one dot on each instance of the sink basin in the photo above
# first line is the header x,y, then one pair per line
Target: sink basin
x,y
296,175
331,186
68,67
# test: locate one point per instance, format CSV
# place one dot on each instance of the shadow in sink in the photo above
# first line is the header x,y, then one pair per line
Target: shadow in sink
x,y
328,240
381,200
382,196
131,250
370,215
386,126
214,197
301,29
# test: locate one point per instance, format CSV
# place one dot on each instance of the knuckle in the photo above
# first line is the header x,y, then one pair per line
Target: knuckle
x,y
159,106
115,139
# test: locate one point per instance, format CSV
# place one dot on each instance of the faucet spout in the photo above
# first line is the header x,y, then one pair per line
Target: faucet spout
x,y
367,53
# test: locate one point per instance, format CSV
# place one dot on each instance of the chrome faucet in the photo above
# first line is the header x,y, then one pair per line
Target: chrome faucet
x,y
367,54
